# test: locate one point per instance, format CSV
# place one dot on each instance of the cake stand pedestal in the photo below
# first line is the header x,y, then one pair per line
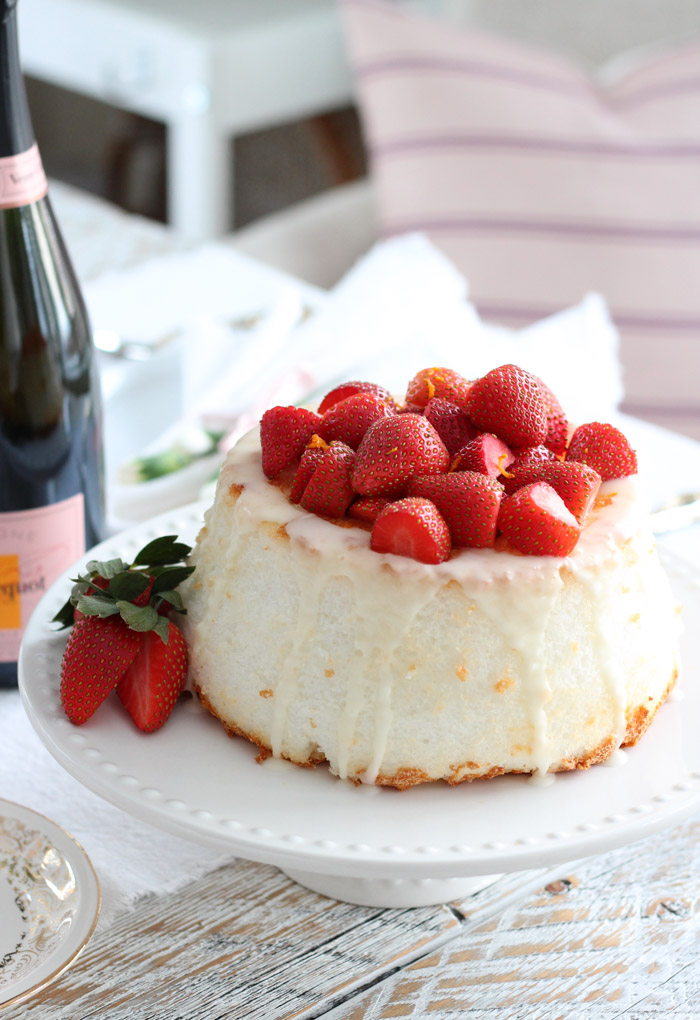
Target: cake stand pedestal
x,y
391,892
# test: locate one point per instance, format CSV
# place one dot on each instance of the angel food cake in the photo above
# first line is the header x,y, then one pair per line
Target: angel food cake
x,y
455,587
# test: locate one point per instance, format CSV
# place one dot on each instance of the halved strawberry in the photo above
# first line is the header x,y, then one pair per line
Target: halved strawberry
x,y
329,491
97,654
284,433
438,382
310,460
349,389
349,419
393,451
524,459
604,448
155,679
536,522
367,508
468,501
508,402
450,423
576,483
486,454
412,527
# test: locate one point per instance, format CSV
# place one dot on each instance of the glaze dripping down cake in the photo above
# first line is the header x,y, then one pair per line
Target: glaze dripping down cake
x,y
401,667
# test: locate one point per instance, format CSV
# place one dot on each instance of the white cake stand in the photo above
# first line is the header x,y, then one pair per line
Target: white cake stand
x,y
362,844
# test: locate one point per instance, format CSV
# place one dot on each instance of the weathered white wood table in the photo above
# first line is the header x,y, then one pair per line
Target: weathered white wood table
x,y
613,936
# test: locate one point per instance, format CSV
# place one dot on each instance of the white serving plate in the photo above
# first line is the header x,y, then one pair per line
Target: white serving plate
x,y
363,844
49,902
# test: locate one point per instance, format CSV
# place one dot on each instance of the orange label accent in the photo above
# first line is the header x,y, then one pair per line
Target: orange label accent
x,y
10,604
22,179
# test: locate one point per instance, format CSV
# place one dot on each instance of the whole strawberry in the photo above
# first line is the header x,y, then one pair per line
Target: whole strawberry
x,y
97,654
349,389
536,522
468,501
486,454
284,434
393,451
438,382
349,419
576,483
508,402
450,423
329,491
557,424
310,459
155,679
524,459
412,527
367,508
604,448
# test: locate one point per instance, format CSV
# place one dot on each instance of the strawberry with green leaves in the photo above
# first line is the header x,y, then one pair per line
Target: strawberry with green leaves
x,y
119,603
155,678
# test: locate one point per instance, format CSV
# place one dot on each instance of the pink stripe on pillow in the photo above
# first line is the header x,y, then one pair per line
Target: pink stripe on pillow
x,y
541,185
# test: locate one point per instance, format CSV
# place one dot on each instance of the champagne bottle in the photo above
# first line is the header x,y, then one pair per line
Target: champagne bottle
x,y
51,476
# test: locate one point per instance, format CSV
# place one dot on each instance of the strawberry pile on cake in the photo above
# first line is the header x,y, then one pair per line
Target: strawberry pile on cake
x,y
452,586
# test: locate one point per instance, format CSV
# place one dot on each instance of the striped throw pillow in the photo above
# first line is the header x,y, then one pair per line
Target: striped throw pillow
x,y
541,185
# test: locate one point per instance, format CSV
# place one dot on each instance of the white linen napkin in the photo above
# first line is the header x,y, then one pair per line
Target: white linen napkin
x,y
131,859
402,307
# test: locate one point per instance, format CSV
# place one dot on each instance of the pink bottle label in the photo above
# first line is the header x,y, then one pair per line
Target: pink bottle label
x,y
36,546
22,179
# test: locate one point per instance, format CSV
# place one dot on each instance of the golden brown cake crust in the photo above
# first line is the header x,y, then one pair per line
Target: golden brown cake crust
x,y
638,721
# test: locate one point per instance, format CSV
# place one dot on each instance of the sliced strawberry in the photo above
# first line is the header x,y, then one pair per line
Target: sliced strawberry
x,y
508,402
536,522
349,389
284,433
557,424
524,459
329,491
349,419
310,460
155,679
577,484
438,382
450,423
412,527
486,454
604,448
367,508
468,501
97,654
393,451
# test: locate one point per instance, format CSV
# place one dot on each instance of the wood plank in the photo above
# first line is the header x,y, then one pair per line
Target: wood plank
x,y
617,936
244,942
